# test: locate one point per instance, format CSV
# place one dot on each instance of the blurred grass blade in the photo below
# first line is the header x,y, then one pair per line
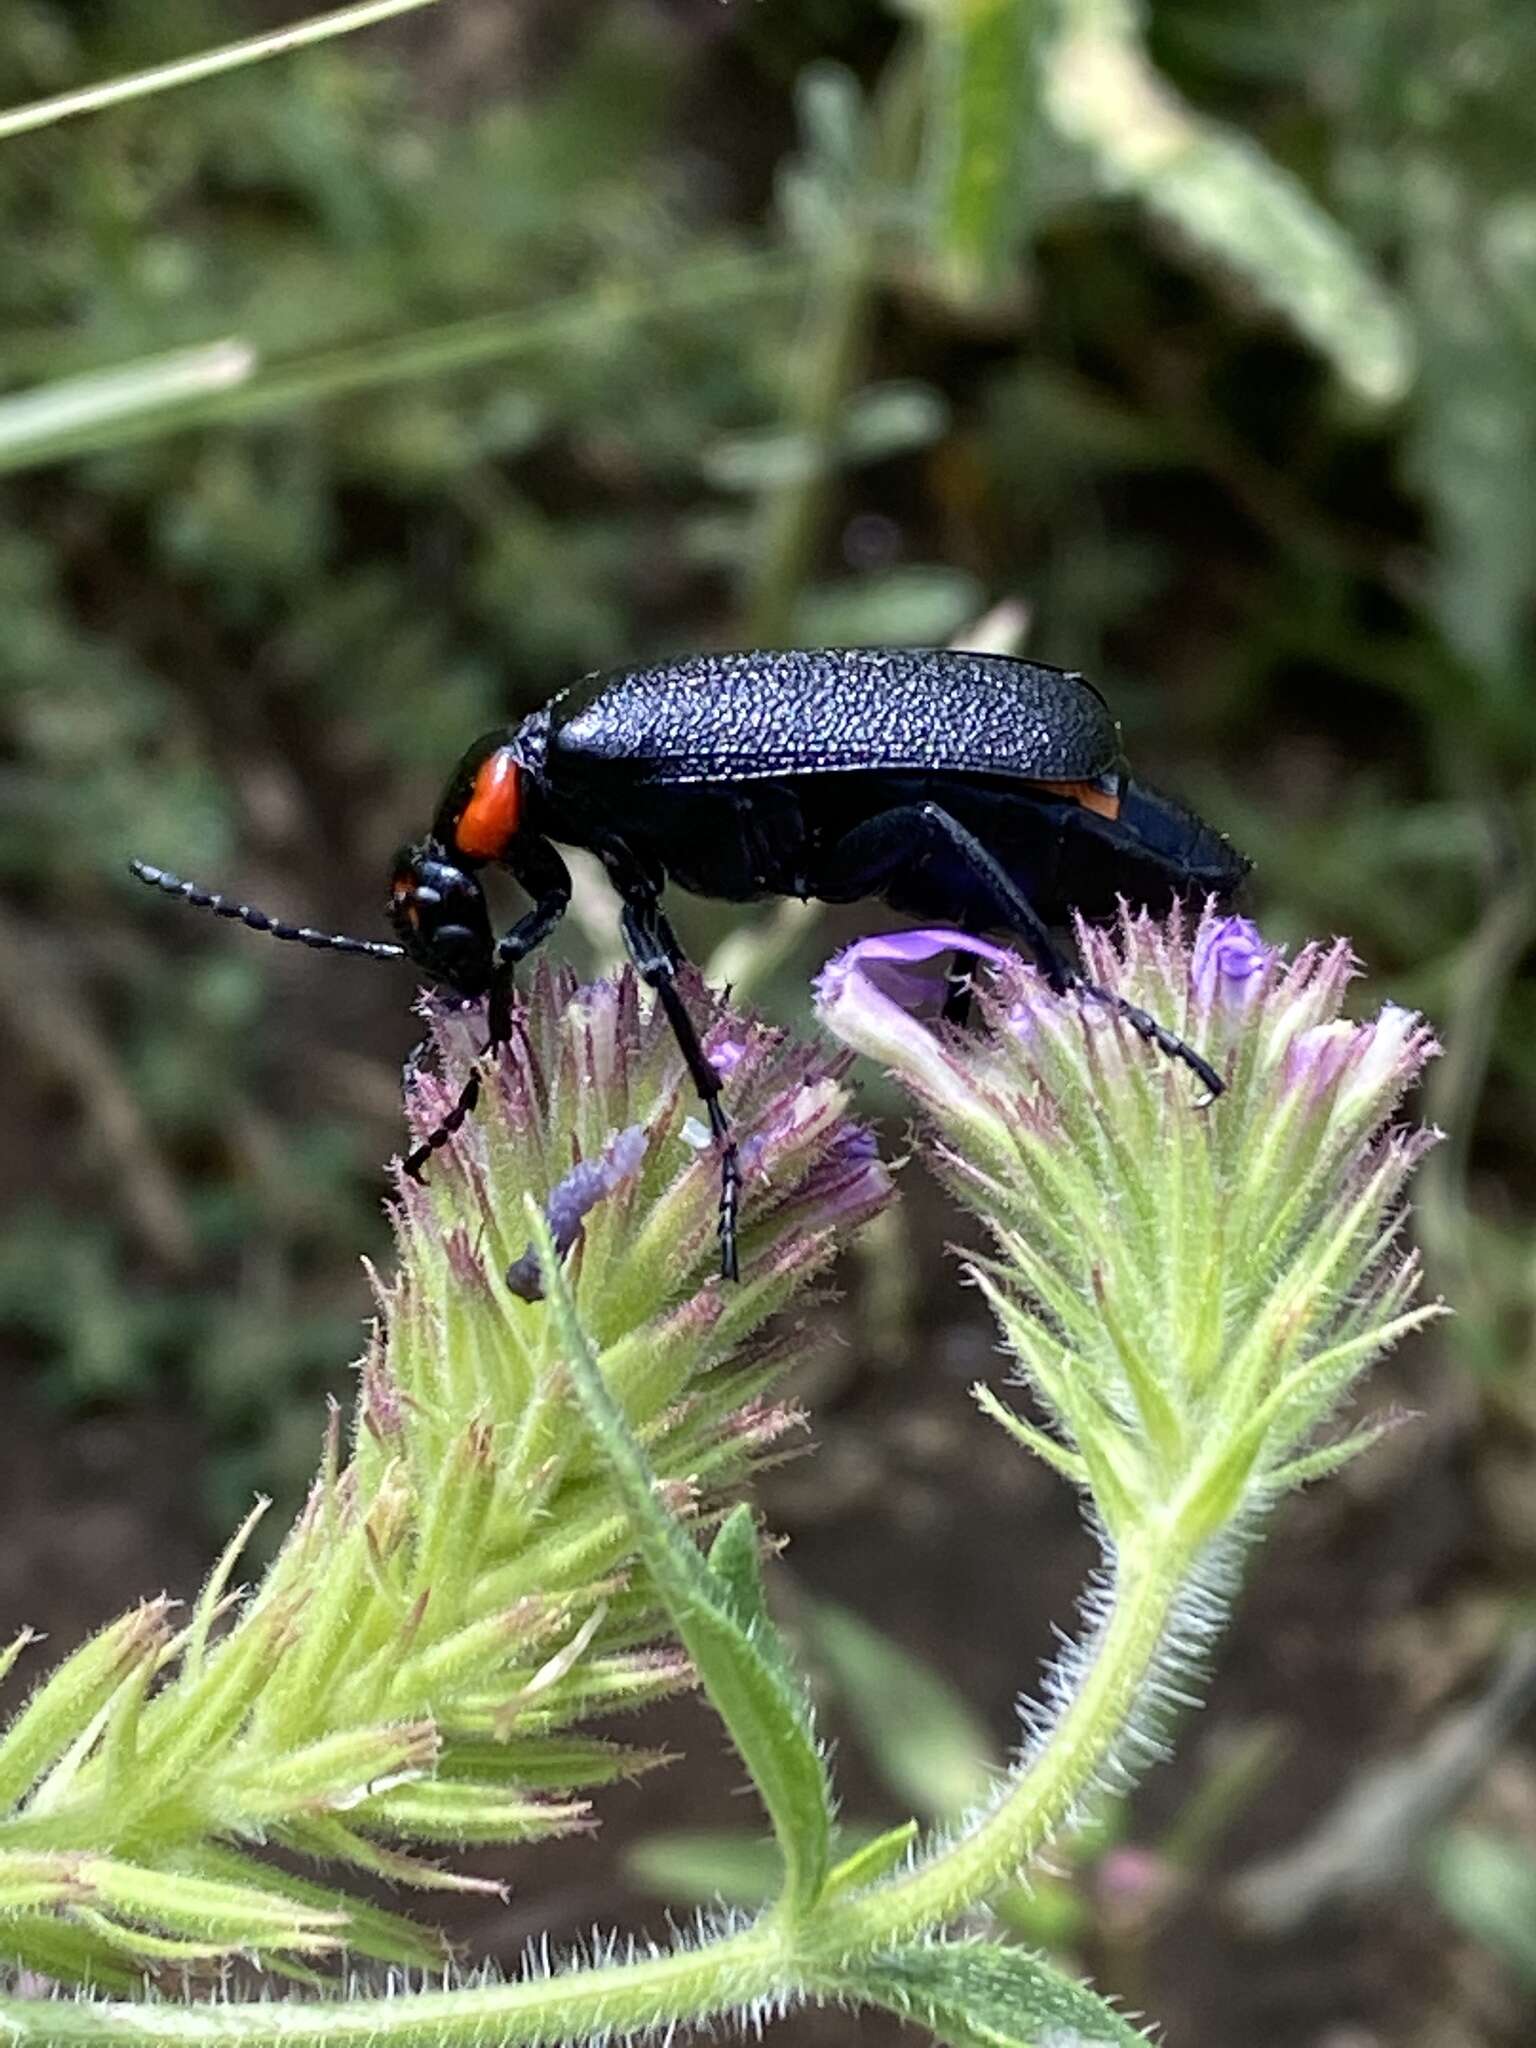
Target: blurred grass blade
x,y
1376,1832
982,91
75,406
224,382
137,85
1223,194
699,1867
923,1738
978,1995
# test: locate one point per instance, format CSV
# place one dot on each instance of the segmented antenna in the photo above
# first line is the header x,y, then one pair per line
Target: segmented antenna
x,y
258,920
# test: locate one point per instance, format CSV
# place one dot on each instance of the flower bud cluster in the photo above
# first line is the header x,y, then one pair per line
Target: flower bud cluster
x,y
1191,1288
464,1586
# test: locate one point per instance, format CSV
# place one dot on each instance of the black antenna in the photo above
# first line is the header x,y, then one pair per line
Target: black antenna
x,y
258,920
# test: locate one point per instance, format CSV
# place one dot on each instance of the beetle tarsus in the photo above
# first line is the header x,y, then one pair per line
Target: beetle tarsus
x,y
469,1095
1146,1027
730,1189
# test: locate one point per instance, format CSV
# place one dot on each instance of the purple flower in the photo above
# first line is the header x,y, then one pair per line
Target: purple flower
x,y
869,995
1316,1058
587,1184
1230,966
900,967
726,1055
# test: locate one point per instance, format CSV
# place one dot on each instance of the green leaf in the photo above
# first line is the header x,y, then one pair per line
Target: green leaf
x,y
700,1867
1488,1886
742,1664
976,1995
981,82
874,1860
735,1558
932,1751
1224,195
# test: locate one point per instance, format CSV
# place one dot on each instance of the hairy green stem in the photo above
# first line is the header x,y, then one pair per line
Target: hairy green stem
x,y
991,1853
687,1985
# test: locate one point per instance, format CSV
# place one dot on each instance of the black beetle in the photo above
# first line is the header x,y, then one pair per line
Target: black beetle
x,y
966,789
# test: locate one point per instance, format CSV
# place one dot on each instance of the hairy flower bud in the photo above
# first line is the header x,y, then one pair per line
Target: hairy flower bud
x,y
1191,1289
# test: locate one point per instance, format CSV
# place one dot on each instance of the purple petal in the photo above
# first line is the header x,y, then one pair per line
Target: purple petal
x,y
867,994
1231,965
727,1055
587,1183
892,965
1316,1058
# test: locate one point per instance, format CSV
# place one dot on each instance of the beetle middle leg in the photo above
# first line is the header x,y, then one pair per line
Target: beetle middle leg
x,y
540,870
657,957
884,848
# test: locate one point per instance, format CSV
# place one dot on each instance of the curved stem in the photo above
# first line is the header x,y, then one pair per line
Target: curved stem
x,y
990,1854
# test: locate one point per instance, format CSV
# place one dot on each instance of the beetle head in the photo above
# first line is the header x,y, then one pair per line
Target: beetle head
x,y
438,909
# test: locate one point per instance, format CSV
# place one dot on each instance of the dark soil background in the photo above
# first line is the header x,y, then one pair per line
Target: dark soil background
x,y
247,634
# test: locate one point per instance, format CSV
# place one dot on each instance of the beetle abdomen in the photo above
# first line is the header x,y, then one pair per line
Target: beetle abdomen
x,y
755,716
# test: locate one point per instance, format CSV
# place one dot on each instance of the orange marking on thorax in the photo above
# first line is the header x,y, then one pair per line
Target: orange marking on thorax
x,y
1088,794
488,822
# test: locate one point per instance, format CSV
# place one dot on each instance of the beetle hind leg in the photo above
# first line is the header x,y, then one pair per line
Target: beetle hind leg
x,y
881,850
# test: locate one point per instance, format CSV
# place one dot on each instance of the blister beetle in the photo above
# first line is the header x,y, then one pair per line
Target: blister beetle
x,y
968,789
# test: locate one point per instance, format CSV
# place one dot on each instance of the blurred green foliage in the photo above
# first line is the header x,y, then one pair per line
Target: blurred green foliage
x,y
362,397
355,401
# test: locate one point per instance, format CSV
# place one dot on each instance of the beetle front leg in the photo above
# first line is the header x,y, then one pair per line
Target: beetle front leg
x,y
541,871
657,956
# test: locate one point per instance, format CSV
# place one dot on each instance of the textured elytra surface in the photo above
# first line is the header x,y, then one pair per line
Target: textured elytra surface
x,y
743,717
